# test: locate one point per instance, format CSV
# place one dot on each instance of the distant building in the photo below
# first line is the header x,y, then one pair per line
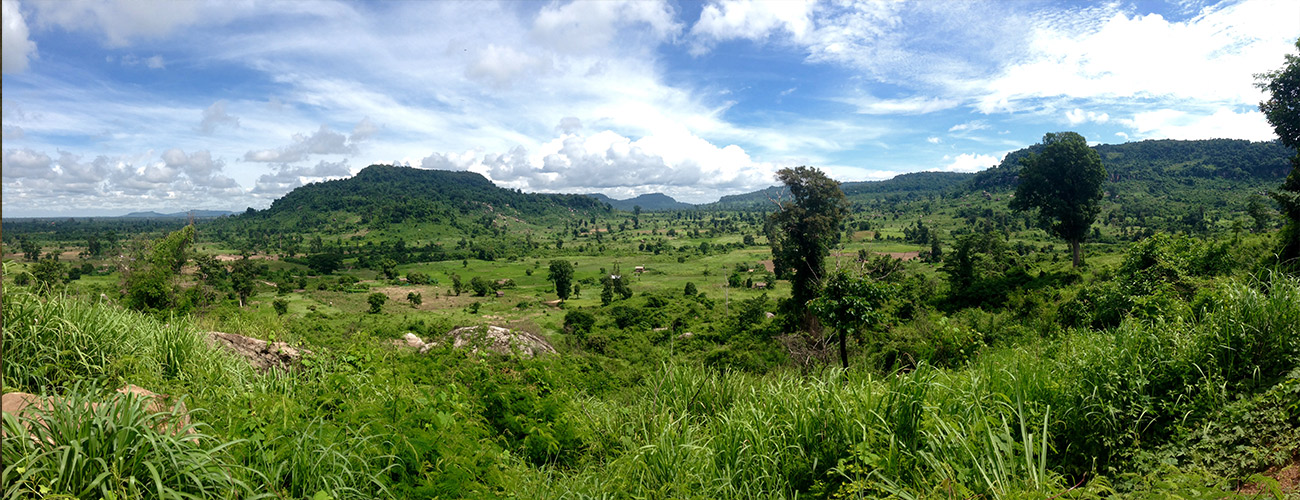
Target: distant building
x,y
639,269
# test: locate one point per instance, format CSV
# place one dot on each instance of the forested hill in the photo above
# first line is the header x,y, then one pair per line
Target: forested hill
x,y
1156,160
651,202
915,182
383,194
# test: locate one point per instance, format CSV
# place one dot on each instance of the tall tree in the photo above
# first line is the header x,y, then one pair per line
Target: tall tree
x,y
561,273
1064,184
1282,108
851,304
801,232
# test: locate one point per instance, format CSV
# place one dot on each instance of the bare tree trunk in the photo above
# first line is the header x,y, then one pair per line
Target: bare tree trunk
x,y
1078,254
844,349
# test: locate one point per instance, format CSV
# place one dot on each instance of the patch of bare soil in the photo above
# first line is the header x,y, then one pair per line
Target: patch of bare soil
x,y
231,258
1287,477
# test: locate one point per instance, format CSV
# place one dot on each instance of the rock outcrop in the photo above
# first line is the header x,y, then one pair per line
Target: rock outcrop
x,y
261,354
487,338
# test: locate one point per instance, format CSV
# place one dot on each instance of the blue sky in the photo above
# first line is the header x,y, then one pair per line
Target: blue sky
x,y
117,106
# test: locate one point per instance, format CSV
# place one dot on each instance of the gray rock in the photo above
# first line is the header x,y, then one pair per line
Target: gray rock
x,y
261,354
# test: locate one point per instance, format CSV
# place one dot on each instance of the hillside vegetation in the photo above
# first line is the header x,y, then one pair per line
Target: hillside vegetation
x,y
1167,365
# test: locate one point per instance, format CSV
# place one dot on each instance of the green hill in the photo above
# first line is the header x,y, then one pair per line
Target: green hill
x,y
1162,160
650,202
380,196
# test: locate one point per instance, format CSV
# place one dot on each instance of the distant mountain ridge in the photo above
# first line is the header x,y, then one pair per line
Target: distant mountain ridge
x,y
1149,160
1152,161
200,214
651,202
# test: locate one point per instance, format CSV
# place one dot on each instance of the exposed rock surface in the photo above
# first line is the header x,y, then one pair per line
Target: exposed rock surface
x,y
499,340
262,354
490,338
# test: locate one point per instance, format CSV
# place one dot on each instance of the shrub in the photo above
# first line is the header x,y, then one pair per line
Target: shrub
x,y
376,301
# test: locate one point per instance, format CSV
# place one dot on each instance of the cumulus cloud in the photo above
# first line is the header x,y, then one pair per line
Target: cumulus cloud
x,y
682,165
1210,57
500,65
323,142
1077,116
751,20
27,163
441,161
364,129
216,116
569,125
933,140
1183,125
286,177
968,162
18,48
199,166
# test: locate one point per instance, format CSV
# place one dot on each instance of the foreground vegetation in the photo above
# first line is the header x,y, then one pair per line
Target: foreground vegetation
x,y
1173,372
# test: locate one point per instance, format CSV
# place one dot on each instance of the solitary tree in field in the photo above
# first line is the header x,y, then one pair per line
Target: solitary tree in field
x,y
1282,108
561,274
1064,184
376,301
851,304
802,231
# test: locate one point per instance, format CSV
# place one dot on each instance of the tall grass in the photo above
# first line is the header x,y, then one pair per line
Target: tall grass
x,y
82,447
51,342
73,349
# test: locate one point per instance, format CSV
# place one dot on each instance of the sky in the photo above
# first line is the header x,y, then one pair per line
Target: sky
x,y
117,106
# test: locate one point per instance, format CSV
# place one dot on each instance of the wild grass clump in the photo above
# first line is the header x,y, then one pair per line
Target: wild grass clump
x,y
81,445
51,342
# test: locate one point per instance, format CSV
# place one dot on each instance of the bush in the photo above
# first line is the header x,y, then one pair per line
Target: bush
x,y
281,306
376,301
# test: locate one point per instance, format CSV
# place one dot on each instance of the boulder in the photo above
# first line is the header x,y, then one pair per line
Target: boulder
x,y
261,354
499,340
409,340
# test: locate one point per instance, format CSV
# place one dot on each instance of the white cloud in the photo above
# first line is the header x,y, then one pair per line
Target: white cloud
x,y
905,106
123,21
18,48
1184,125
501,66
286,178
1210,58
750,20
27,163
932,140
586,27
215,116
323,142
967,162
1077,116
970,126
364,129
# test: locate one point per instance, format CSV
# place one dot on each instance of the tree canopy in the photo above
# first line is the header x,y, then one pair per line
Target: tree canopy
x,y
802,231
1282,108
1064,183
561,273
